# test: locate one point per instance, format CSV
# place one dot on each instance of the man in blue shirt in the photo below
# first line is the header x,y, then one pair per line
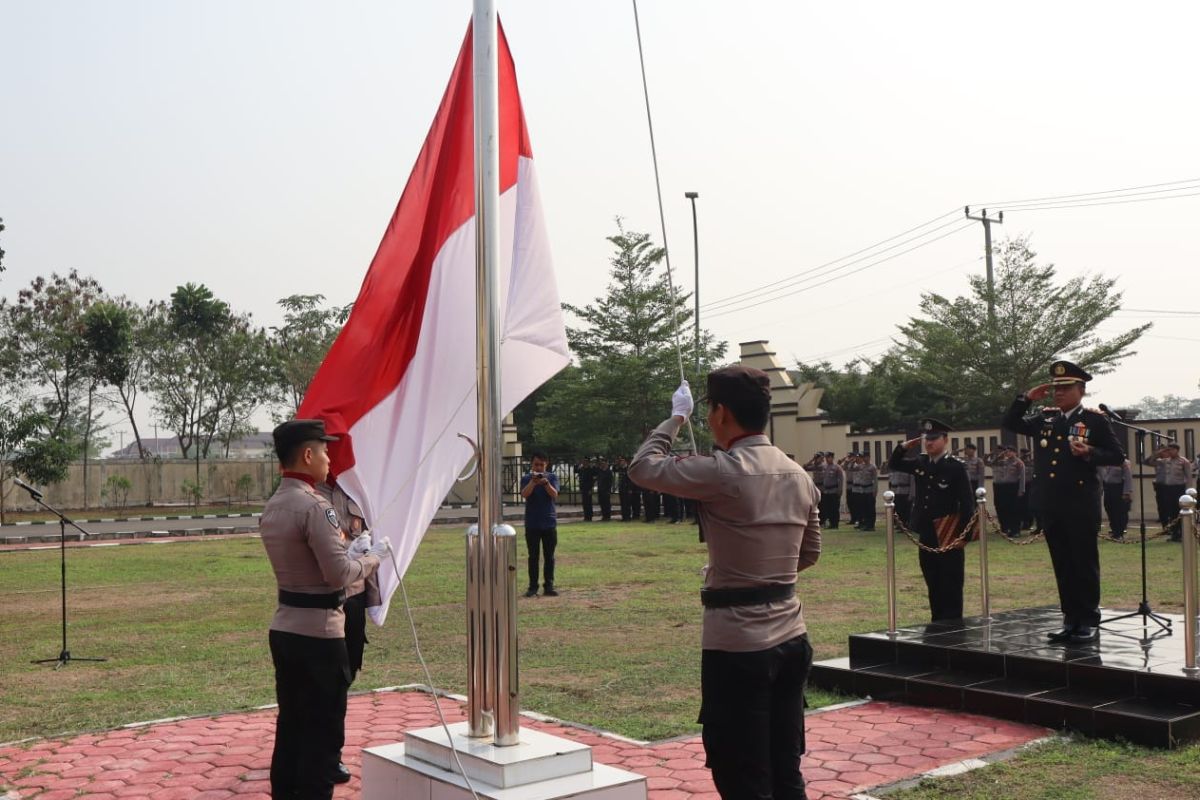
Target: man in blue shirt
x,y
539,487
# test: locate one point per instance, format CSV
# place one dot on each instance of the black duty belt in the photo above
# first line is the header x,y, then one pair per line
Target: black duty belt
x,y
302,600
747,596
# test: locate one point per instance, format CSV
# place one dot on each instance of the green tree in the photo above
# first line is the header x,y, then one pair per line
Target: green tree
x,y
116,335
972,368
49,349
27,447
209,369
627,365
299,345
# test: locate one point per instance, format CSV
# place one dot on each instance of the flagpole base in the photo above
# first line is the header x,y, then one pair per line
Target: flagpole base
x,y
539,767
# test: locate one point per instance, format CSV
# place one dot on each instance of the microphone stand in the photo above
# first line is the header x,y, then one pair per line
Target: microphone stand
x,y
64,656
1144,611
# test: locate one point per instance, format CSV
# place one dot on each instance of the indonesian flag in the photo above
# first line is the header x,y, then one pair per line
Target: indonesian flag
x,y
398,385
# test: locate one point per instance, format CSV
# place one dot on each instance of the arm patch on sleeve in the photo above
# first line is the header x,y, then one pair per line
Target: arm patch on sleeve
x,y
331,515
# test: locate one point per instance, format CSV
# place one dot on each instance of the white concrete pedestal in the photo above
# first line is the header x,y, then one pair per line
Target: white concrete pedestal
x,y
540,767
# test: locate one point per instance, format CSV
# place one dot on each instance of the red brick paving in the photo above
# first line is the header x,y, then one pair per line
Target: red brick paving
x,y
849,750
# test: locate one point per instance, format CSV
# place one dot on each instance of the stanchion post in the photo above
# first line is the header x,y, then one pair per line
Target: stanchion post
x,y
504,586
981,530
889,516
1187,523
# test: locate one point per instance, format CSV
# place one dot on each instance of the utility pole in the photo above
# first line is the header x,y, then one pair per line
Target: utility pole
x,y
696,249
987,244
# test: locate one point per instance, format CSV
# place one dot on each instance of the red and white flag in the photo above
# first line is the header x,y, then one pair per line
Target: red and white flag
x,y
398,385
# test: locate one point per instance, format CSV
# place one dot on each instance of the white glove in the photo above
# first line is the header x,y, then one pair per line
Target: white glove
x,y
681,401
360,545
381,547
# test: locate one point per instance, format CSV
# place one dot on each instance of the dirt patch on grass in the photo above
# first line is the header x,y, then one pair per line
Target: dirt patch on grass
x,y
1121,787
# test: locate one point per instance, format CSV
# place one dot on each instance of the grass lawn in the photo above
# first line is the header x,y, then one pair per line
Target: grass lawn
x,y
184,627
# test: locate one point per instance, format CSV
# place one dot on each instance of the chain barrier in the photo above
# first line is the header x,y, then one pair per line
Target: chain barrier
x,y
996,530
955,544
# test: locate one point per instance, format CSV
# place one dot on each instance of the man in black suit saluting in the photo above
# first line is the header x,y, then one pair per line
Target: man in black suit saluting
x,y
1069,443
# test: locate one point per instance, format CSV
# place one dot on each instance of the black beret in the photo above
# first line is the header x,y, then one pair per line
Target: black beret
x,y
295,431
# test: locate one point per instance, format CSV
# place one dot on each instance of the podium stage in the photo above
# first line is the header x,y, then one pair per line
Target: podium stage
x,y
1128,684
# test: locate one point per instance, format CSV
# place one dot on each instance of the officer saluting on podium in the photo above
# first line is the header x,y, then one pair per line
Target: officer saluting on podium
x,y
1070,442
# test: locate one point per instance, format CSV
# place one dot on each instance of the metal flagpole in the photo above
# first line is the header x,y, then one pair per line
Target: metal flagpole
x,y
482,651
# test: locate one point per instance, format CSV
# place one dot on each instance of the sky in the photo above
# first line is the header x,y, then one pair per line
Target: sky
x,y
260,148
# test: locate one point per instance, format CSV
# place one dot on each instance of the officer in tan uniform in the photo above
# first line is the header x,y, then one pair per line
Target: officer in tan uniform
x,y
300,531
1172,476
758,512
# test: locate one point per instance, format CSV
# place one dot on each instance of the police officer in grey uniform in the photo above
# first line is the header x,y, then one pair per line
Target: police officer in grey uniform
x,y
974,464
866,484
1172,475
833,478
901,485
1117,481
1008,487
301,534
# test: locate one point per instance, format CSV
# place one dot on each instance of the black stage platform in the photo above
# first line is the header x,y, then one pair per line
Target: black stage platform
x,y
1128,684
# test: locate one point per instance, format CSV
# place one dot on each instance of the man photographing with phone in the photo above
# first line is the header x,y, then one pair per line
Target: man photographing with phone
x,y
539,487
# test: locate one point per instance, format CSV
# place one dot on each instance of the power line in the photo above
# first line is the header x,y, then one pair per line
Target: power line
x,y
1058,197
1106,203
733,297
838,277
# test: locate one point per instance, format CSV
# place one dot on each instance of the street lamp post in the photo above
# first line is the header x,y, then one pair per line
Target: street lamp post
x,y
696,295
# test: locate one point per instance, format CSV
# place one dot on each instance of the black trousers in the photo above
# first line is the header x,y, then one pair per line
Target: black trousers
x,y
852,506
586,491
866,510
635,503
1029,515
1116,507
1008,508
623,497
541,541
311,679
1071,530
903,508
605,504
752,710
653,503
943,573
356,631
672,507
830,508
1167,495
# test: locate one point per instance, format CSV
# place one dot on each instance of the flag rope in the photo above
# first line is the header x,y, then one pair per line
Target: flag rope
x,y
429,678
662,219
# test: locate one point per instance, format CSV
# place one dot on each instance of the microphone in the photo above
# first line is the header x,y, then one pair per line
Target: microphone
x,y
1109,412
34,493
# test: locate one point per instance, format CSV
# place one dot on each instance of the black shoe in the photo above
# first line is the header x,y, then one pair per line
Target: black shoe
x,y
1085,633
342,775
1063,635
549,592
531,592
